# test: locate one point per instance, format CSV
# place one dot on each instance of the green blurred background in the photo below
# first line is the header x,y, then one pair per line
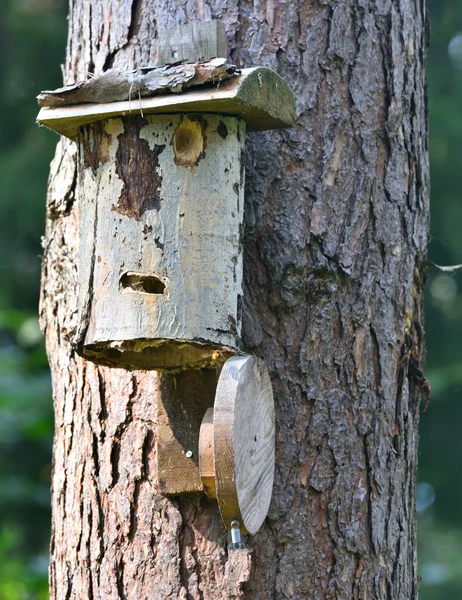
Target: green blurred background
x,y
32,42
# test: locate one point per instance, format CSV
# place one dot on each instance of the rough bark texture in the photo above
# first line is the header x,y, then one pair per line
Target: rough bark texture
x,y
335,234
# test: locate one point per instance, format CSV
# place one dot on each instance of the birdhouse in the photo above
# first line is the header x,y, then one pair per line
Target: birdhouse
x,y
161,201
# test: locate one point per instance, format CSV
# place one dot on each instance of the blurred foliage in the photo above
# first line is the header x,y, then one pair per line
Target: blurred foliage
x,y
440,470
32,41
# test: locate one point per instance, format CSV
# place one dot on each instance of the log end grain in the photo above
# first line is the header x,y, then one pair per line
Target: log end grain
x,y
159,354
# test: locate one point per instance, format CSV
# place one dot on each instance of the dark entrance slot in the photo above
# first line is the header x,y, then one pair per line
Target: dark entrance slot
x,y
149,284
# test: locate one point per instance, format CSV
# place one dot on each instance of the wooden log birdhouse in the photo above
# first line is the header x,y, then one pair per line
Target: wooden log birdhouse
x,y
161,200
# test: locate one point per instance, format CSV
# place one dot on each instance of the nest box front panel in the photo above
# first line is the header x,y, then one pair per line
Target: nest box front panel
x,y
160,211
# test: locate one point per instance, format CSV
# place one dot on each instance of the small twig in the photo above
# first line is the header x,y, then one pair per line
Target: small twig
x,y
141,108
444,269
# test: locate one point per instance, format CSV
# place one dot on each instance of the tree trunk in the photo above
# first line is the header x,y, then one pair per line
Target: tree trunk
x,y
336,219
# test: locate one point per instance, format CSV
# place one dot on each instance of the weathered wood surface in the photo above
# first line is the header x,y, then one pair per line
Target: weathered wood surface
x,y
198,40
243,442
161,260
258,95
115,86
335,241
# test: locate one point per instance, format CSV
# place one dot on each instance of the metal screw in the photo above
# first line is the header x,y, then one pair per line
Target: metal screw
x,y
189,454
235,534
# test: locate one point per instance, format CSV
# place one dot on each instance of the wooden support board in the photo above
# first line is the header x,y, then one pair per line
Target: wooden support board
x,y
258,95
184,398
196,41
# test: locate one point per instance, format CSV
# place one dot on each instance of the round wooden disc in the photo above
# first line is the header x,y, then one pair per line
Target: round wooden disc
x,y
244,442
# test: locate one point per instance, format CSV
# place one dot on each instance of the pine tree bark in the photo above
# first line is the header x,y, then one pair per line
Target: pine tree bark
x,y
336,222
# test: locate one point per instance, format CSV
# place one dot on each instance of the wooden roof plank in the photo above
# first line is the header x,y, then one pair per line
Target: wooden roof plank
x,y
258,95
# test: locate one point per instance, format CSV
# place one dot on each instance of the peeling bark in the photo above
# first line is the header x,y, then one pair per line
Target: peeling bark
x,y
336,222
